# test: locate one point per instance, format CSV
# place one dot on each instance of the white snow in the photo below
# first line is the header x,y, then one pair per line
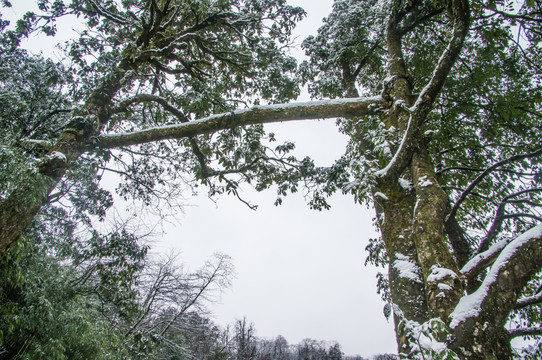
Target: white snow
x,y
440,273
57,155
407,269
273,107
444,287
424,182
381,195
475,261
470,305
43,143
384,171
430,132
405,184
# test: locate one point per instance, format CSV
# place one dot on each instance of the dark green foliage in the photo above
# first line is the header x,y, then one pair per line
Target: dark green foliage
x,y
45,314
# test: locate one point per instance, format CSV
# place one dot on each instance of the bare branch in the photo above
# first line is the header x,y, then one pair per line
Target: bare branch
x,y
123,106
486,172
500,217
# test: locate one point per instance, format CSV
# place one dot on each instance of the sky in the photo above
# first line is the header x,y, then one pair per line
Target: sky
x,y
299,273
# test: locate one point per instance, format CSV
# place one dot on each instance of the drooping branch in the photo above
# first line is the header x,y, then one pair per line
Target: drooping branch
x,y
255,115
123,106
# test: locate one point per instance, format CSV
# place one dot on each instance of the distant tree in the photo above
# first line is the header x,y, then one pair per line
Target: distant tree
x,y
386,357
335,353
354,357
310,349
281,348
441,101
245,340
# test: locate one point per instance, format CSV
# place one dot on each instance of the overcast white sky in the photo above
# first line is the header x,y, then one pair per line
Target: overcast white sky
x,y
300,273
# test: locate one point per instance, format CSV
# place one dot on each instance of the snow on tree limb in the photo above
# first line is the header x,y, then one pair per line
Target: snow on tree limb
x,y
515,265
461,14
255,115
529,300
482,260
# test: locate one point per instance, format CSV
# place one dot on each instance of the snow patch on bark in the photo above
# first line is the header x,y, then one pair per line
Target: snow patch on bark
x,y
405,184
407,269
439,273
424,182
425,339
57,155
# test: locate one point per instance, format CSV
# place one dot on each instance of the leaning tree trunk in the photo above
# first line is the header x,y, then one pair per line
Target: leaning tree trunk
x,y
21,207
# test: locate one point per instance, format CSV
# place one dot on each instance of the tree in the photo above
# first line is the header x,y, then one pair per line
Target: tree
x,y
245,340
335,352
440,99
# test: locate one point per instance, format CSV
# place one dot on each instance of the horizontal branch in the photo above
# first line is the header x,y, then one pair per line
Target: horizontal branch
x,y
537,331
354,107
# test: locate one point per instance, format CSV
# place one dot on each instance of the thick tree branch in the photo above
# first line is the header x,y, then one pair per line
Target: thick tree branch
x,y
529,300
537,331
484,259
256,115
518,261
461,17
497,296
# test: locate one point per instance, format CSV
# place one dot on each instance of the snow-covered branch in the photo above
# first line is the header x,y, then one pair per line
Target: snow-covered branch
x,y
255,115
529,300
108,15
525,332
518,261
461,14
484,259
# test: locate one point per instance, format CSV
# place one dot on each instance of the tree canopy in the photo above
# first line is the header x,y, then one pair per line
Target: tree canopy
x,y
440,100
